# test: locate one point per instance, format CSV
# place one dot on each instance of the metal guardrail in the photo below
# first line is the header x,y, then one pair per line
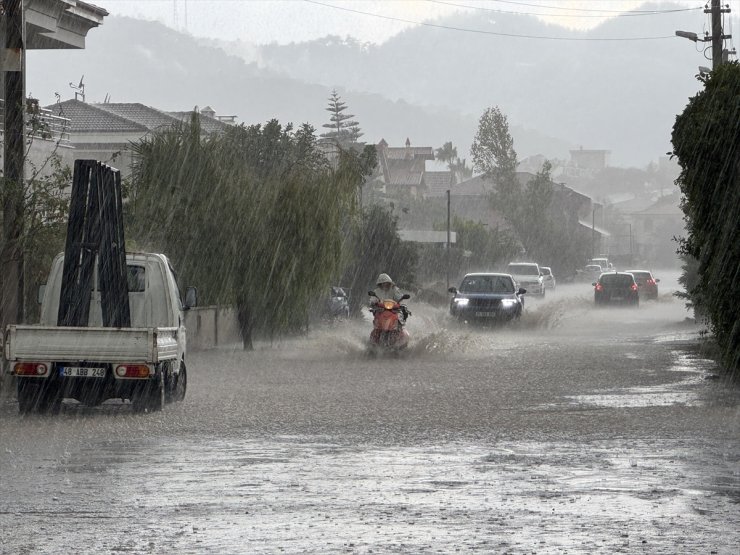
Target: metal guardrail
x,y
41,124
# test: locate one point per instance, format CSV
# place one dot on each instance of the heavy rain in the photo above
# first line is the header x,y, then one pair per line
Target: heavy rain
x,y
411,277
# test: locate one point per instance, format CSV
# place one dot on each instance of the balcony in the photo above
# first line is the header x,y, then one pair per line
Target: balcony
x,y
41,124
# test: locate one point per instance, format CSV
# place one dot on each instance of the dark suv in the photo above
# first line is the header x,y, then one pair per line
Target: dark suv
x,y
485,297
616,287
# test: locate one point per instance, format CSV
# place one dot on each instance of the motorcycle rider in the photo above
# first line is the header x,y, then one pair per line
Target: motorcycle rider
x,y
386,289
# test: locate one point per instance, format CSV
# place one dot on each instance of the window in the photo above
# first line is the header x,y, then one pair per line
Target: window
x,y
136,279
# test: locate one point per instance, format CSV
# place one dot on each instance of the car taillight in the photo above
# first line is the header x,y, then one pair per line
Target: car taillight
x,y
599,287
132,371
651,282
633,287
30,369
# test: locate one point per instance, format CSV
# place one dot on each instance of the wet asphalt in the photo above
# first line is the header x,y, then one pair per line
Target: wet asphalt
x,y
577,430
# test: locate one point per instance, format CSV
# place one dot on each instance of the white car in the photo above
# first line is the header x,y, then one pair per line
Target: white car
x,y
528,276
547,277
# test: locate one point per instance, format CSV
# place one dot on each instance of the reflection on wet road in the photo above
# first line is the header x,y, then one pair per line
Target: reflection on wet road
x,y
579,431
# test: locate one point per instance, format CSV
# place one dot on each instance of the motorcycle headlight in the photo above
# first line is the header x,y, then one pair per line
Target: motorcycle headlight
x,y
462,301
508,303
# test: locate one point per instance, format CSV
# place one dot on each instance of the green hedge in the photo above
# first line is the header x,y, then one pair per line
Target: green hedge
x,y
706,140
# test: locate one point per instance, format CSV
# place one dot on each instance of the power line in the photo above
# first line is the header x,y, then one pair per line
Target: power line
x,y
482,32
594,10
614,13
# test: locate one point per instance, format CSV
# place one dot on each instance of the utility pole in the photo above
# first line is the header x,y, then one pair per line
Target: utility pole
x,y
716,38
448,238
593,232
11,255
716,11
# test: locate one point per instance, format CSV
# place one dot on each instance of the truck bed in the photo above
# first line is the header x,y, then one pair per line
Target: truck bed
x,y
52,343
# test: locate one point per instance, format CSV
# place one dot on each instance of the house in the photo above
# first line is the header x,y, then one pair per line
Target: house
x,y
105,131
590,159
471,199
439,182
50,24
652,230
402,169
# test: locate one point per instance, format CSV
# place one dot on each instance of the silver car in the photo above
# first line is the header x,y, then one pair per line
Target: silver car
x,y
548,279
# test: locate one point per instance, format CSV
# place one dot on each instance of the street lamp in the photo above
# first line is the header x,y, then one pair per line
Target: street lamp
x,y
691,36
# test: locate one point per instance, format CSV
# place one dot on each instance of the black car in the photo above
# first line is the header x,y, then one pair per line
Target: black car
x,y
616,287
485,297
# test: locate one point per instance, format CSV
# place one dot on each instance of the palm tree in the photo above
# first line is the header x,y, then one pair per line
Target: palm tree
x,y
447,153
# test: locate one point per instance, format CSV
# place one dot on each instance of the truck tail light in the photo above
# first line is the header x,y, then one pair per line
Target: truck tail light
x,y
30,369
599,287
132,371
633,287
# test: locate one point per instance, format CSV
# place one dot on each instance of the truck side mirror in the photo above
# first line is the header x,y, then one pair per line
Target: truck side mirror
x,y
191,298
40,293
521,291
452,290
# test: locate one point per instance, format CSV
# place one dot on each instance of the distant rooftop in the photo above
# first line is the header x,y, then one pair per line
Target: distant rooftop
x,y
438,182
126,117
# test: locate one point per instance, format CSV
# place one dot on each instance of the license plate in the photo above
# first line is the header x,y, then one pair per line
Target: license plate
x,y
617,298
80,372
485,314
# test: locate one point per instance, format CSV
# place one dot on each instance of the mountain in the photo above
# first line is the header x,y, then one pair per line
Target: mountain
x,y
616,95
146,62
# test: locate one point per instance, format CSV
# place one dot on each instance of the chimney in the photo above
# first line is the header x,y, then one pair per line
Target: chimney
x,y
408,148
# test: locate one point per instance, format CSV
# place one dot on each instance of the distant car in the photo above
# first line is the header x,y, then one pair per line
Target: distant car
x,y
487,297
603,263
647,285
548,279
591,272
616,287
528,276
337,305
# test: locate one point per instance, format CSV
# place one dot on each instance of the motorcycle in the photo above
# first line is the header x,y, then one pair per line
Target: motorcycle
x,y
388,332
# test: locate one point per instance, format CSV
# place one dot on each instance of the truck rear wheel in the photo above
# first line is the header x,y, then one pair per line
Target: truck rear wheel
x,y
177,385
181,384
38,396
28,395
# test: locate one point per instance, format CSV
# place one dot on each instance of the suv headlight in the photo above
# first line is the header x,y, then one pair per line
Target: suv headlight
x,y
508,303
462,301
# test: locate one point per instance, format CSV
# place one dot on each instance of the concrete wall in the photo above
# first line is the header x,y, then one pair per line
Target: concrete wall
x,y
211,326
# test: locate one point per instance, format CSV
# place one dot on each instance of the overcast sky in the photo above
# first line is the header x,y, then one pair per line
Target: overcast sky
x,y
284,21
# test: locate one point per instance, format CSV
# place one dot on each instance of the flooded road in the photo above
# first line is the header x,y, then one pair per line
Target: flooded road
x,y
579,430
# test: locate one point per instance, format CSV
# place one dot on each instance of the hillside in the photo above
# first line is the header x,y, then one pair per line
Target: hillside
x,y
621,96
173,71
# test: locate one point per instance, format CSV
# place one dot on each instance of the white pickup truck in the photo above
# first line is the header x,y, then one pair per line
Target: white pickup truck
x,y
144,363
